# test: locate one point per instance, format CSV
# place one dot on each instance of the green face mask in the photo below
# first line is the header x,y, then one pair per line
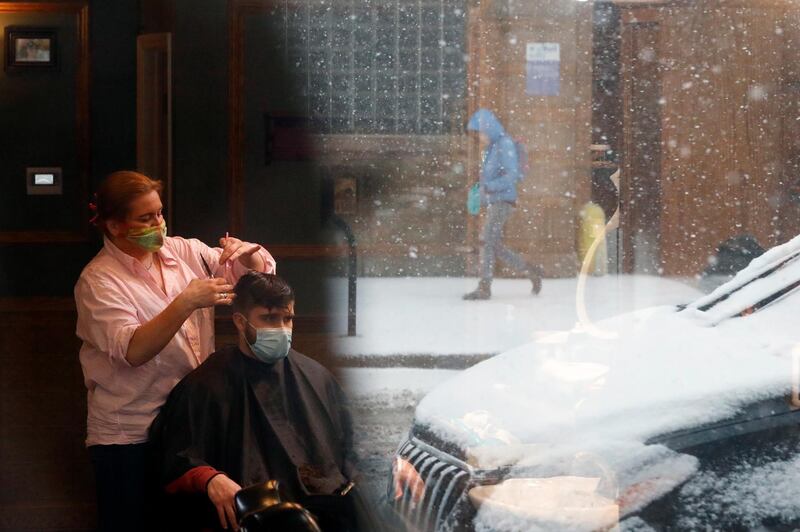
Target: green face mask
x,y
148,238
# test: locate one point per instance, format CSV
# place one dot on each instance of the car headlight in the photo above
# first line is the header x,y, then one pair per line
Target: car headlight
x,y
564,502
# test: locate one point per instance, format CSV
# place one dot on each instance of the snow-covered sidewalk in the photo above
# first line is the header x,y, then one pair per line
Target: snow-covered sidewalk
x,y
426,316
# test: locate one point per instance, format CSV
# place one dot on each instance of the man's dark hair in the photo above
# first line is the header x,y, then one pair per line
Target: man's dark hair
x,y
261,289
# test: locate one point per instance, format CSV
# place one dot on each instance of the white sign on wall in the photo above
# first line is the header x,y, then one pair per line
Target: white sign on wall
x,y
543,68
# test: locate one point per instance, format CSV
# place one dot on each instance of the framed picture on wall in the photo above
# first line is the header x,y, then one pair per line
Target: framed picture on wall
x,y
29,47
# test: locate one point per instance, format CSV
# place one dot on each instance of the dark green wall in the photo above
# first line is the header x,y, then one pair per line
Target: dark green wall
x,y
282,204
37,111
37,105
200,119
42,396
282,199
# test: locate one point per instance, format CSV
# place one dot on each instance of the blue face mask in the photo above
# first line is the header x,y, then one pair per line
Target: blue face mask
x,y
271,345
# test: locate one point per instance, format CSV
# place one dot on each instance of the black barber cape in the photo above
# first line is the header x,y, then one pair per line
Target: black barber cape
x,y
255,421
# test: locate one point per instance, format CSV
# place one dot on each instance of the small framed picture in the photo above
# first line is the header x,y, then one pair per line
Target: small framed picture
x,y
28,47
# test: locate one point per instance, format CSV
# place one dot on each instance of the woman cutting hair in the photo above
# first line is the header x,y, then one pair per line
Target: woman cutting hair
x,y
145,315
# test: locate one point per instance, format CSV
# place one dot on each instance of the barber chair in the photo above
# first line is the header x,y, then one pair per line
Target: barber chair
x,y
261,508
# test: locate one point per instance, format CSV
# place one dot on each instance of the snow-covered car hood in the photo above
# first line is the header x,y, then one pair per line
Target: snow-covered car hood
x,y
648,373
591,404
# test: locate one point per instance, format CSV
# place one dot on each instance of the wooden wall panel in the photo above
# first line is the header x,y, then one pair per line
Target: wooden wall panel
x,y
789,223
722,130
723,118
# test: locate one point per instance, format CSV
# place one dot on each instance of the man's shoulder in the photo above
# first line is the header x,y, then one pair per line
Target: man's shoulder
x,y
309,365
214,373
305,361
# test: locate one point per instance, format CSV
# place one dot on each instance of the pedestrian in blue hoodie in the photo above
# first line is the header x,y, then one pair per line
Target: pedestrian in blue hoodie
x,y
500,173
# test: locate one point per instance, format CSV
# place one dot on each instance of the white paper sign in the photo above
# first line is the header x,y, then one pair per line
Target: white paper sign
x,y
543,68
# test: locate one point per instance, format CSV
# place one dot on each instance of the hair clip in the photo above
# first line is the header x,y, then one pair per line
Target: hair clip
x,y
93,208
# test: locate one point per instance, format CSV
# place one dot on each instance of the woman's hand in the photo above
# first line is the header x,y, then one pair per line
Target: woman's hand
x,y
201,293
221,491
234,249
149,339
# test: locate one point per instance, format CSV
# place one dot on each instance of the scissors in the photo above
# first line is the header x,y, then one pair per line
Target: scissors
x,y
206,267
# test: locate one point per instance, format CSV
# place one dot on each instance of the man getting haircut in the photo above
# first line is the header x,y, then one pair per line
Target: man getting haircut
x,y
253,412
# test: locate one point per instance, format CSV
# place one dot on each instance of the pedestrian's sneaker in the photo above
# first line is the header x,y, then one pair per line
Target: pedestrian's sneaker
x,y
484,291
536,278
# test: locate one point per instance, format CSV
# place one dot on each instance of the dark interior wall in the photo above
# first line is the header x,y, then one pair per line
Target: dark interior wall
x,y
278,189
46,479
44,468
200,111
41,107
113,45
282,187
282,199
200,119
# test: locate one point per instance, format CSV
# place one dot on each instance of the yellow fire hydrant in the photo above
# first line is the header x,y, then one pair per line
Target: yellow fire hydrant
x,y
592,227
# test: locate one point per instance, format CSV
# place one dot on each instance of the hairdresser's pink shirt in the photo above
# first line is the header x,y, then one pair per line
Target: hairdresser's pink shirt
x,y
115,295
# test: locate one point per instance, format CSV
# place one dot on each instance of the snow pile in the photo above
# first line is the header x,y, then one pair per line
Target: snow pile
x,y
401,316
391,387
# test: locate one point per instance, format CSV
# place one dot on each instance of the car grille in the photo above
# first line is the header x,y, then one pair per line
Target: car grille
x,y
446,480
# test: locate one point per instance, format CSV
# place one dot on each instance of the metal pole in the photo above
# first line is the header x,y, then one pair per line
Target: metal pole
x,y
352,272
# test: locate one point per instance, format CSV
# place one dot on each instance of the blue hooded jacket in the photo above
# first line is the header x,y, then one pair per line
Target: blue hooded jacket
x,y
500,169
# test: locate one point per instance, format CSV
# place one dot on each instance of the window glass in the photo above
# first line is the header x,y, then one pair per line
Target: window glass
x,y
555,209
375,67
